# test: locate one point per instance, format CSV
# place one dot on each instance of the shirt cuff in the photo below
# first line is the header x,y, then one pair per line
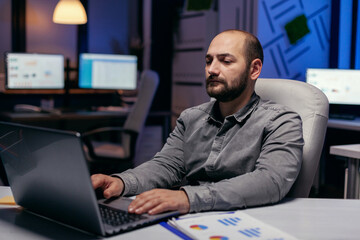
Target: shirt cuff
x,y
200,198
130,183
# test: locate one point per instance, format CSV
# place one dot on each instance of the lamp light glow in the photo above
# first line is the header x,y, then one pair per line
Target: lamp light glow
x,y
69,12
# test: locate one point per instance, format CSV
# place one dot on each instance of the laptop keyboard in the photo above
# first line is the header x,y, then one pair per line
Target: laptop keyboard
x,y
116,217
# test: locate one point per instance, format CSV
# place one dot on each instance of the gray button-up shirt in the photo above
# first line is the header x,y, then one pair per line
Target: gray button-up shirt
x,y
249,158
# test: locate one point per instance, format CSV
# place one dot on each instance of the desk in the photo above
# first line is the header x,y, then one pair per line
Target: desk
x,y
76,115
62,120
352,152
353,125
303,218
330,180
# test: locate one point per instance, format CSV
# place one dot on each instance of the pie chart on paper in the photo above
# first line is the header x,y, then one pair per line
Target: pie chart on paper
x,y
218,238
198,227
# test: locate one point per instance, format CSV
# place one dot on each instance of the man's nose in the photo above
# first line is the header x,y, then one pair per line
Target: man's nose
x,y
213,68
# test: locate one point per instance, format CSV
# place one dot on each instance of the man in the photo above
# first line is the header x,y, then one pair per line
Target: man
x,y
231,153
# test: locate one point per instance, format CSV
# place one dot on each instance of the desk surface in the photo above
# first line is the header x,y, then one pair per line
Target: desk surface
x,y
81,114
349,150
353,125
303,218
33,116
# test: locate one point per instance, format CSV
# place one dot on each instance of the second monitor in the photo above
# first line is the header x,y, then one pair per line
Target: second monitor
x,y
341,86
107,71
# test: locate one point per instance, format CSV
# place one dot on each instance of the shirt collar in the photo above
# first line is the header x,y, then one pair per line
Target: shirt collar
x,y
240,115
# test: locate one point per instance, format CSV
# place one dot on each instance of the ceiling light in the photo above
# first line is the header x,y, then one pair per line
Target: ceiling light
x,y
69,12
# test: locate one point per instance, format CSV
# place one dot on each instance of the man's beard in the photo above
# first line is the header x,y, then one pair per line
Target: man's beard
x,y
227,93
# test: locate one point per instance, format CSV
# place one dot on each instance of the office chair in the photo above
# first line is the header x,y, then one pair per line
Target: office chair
x,y
313,107
110,157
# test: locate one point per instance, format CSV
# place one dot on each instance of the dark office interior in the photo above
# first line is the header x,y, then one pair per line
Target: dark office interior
x,y
152,31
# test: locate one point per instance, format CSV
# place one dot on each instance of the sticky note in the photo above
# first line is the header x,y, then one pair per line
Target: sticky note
x,y
7,200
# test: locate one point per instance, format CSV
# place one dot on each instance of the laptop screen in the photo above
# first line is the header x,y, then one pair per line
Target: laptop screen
x,y
49,176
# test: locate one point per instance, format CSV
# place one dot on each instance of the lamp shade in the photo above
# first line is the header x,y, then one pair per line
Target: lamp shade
x,y
69,12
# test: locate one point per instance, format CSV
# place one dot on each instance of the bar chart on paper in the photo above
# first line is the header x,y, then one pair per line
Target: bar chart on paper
x,y
228,226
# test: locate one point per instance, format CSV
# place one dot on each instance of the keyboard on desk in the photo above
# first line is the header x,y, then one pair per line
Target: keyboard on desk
x,y
117,220
116,217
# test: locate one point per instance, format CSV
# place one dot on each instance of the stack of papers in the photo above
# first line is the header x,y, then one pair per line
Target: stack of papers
x,y
227,226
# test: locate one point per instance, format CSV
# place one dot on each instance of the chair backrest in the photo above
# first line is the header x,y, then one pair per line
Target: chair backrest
x,y
149,81
313,107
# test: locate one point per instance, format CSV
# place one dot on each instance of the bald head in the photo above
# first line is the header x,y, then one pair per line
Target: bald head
x,y
247,43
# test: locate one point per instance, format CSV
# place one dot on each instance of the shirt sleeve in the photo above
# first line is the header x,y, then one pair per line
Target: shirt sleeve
x,y
275,171
165,170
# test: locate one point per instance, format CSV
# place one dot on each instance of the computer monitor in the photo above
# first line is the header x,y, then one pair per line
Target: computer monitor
x,y
107,71
34,71
341,86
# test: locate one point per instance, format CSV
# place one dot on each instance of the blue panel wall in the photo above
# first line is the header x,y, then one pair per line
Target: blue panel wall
x,y
286,60
345,26
357,44
108,26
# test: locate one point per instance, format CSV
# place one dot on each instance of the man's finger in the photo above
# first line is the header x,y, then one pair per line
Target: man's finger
x,y
111,191
137,203
159,200
97,181
148,205
114,187
163,207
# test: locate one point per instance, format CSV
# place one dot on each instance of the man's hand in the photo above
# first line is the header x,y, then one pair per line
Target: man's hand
x,y
160,200
111,186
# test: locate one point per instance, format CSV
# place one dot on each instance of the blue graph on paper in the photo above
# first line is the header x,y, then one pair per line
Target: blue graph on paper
x,y
255,233
251,232
231,221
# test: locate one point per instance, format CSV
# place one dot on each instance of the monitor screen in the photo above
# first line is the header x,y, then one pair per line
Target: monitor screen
x,y
34,71
341,86
107,71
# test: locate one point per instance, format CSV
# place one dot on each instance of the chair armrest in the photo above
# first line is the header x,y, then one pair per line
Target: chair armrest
x,y
86,137
107,129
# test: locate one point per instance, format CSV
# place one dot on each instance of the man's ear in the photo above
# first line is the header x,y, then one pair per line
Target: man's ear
x,y
255,68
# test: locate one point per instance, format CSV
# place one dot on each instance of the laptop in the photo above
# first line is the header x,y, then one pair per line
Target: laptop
x,y
48,175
